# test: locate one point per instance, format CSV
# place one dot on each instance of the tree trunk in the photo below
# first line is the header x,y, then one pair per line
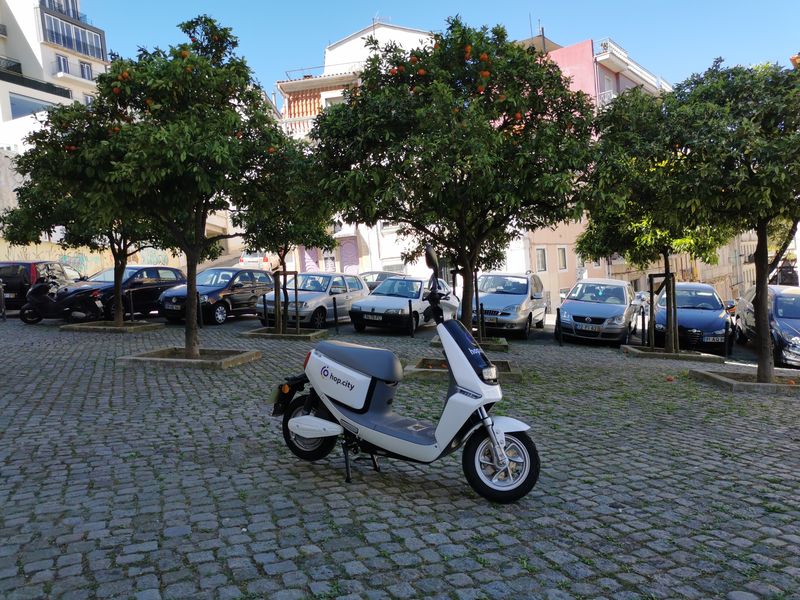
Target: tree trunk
x,y
277,301
192,342
120,262
669,335
468,293
766,366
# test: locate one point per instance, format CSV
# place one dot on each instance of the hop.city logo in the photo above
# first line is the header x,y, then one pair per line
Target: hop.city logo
x,y
326,374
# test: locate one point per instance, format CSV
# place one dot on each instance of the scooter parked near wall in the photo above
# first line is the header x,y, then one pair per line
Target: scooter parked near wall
x,y
351,392
43,302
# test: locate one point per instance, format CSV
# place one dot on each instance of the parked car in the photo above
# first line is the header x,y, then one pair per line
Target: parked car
x,y
19,276
143,284
387,305
784,322
375,278
512,302
258,260
72,273
598,309
641,300
223,291
315,294
702,318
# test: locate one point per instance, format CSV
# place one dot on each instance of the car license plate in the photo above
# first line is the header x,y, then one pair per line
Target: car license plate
x,y
9,295
586,327
172,307
373,317
489,319
712,339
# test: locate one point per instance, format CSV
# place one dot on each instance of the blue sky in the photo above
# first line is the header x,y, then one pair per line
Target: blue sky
x,y
670,38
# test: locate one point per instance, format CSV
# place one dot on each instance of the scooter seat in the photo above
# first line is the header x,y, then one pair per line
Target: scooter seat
x,y
375,362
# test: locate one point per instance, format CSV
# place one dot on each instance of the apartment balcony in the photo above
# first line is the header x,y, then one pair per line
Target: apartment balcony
x,y
297,127
11,71
615,58
605,98
75,72
62,9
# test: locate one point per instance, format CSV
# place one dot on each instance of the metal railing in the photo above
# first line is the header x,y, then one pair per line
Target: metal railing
x,y
605,98
10,64
297,126
56,37
63,9
11,71
71,68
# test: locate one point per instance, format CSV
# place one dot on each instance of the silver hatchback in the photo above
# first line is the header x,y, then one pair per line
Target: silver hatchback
x,y
598,309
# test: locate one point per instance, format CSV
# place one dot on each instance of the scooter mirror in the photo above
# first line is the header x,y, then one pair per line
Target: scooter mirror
x,y
431,259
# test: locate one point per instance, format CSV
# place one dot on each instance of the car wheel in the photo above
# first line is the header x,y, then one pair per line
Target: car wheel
x,y
526,331
219,313
540,324
360,327
556,331
624,340
741,337
777,355
319,319
415,318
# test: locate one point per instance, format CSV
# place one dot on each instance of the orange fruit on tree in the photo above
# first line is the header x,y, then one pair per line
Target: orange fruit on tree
x,y
484,57
271,149
502,97
481,89
414,60
393,71
401,68
422,72
518,116
485,74
116,90
184,54
125,75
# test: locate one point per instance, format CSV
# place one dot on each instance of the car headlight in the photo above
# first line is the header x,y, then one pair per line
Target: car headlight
x,y
356,307
513,308
792,340
203,298
618,320
719,332
395,311
661,327
565,316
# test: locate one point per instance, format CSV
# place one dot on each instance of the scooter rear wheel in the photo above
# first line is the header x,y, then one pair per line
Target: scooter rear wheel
x,y
310,449
501,485
29,315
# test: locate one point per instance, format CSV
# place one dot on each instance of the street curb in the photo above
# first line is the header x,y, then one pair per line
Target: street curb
x,y
718,379
638,352
215,358
491,344
109,327
269,333
506,370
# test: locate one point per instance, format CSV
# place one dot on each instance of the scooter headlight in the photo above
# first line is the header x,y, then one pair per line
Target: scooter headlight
x,y
490,373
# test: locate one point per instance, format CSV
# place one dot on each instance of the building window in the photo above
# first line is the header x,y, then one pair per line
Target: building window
x,y
73,37
86,71
22,106
562,259
596,264
88,99
62,64
541,259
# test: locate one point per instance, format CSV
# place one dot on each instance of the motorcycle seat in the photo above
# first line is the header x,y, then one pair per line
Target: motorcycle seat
x,y
375,362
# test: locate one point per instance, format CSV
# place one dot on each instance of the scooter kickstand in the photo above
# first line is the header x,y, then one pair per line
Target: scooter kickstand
x,y
346,461
375,464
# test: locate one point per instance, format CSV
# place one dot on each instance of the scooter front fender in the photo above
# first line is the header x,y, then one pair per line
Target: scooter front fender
x,y
509,425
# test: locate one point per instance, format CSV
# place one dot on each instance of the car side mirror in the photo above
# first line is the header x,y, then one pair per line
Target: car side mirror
x,y
136,283
237,285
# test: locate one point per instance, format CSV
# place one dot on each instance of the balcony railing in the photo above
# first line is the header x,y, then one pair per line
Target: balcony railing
x,y
63,9
11,71
71,68
56,37
605,98
297,127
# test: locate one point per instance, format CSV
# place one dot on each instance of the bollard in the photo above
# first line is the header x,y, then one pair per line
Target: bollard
x,y
558,327
199,312
335,316
296,304
482,321
2,302
266,315
130,305
411,318
643,332
726,345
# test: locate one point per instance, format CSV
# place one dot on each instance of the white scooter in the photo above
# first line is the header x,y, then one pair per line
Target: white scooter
x,y
352,389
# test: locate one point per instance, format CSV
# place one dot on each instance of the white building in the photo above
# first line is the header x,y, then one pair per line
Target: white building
x,y
50,53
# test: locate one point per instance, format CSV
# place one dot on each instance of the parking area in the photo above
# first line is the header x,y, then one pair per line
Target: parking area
x,y
151,482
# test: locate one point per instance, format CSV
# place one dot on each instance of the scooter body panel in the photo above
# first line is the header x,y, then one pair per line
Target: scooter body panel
x,y
310,426
335,380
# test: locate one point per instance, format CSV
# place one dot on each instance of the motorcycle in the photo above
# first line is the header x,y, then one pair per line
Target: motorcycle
x,y
45,301
352,388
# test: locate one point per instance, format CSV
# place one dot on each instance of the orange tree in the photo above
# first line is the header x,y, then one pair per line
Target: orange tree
x,y
737,135
467,142
69,188
197,122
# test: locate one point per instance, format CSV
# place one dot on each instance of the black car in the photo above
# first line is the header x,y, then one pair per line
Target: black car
x,y
223,291
141,286
784,322
703,319
19,276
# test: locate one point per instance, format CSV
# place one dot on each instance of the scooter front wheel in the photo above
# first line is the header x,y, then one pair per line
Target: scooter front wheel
x,y
306,448
29,315
504,485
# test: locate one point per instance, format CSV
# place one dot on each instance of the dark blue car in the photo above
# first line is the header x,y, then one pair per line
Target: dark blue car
x,y
784,322
703,319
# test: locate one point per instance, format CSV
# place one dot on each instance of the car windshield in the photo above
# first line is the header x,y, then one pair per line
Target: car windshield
x,y
401,288
308,282
787,307
597,292
694,299
502,284
107,276
215,277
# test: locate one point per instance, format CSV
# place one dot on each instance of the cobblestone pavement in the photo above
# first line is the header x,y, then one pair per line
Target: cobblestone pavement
x,y
154,482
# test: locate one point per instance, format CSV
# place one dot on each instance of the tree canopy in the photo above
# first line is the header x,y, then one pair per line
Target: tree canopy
x,y
467,142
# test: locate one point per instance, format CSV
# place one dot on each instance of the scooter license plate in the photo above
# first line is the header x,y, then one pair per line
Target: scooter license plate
x,y
9,295
714,339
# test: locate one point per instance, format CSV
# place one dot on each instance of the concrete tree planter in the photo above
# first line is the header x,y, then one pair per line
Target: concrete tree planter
x,y
269,333
109,327
494,344
210,358
746,382
692,355
436,368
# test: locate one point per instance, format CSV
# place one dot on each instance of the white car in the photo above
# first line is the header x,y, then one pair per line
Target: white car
x,y
388,304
